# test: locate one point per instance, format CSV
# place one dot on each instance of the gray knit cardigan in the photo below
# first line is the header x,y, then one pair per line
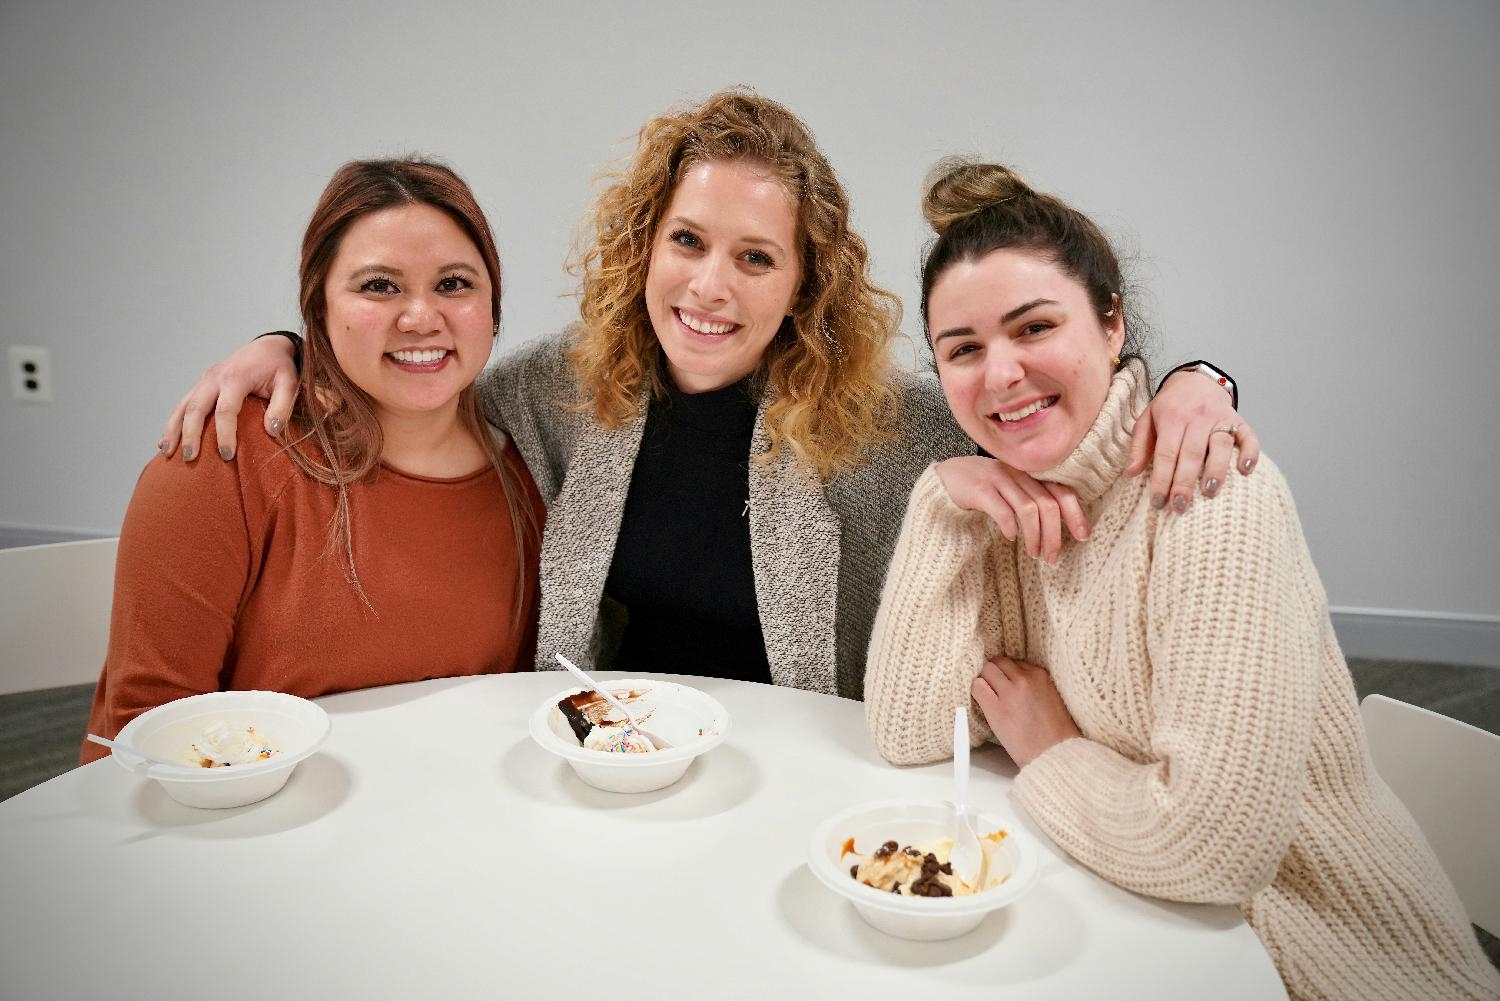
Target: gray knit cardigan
x,y
819,550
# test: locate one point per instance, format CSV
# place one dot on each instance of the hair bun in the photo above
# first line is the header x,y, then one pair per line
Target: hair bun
x,y
957,188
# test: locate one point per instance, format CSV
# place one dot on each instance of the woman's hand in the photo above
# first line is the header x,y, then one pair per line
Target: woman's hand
x,y
1018,504
263,368
1176,436
1023,708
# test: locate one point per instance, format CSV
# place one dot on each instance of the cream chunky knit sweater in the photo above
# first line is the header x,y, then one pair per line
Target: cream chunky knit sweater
x,y
1222,758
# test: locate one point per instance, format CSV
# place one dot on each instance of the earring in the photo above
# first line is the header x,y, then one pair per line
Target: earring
x,y
1117,361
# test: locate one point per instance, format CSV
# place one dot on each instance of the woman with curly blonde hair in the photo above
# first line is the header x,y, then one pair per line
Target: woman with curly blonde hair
x,y
830,389
723,441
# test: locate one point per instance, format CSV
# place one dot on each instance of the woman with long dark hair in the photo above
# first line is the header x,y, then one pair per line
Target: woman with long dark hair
x,y
388,533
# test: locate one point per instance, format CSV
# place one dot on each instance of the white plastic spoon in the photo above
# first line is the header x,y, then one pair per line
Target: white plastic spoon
x,y
147,760
657,742
968,858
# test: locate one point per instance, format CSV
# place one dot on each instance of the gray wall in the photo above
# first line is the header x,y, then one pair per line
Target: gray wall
x,y
1310,190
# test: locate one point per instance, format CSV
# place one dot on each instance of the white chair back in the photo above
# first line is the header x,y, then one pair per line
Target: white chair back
x,y
54,613
1447,773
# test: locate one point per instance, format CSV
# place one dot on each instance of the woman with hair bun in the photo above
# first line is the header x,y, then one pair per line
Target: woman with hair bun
x,y
387,534
723,441
1172,692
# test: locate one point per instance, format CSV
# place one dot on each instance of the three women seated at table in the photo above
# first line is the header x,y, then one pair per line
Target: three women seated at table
x,y
1172,691
388,534
724,444
726,451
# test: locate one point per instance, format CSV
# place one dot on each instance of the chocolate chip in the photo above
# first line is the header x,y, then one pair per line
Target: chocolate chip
x,y
854,871
896,888
947,868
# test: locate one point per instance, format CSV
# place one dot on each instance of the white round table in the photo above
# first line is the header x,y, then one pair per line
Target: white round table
x,y
432,850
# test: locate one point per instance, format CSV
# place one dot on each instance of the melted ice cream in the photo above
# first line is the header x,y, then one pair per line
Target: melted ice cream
x,y
222,745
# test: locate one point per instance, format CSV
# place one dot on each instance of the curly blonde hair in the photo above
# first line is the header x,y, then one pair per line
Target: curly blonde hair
x,y
827,366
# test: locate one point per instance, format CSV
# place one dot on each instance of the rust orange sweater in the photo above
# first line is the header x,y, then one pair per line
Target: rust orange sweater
x,y
221,582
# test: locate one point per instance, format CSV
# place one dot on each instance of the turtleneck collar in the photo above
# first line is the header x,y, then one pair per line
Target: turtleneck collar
x,y
1103,453
729,410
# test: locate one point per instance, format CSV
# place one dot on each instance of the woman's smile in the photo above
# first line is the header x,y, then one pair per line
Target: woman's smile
x,y
723,272
1024,359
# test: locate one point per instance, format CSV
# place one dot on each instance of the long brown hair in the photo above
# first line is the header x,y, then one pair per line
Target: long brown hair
x,y
828,365
330,409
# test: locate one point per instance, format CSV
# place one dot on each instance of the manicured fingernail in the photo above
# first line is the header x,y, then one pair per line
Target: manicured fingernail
x,y
1179,503
1210,488
161,446
187,453
276,425
1158,501
1247,465
226,453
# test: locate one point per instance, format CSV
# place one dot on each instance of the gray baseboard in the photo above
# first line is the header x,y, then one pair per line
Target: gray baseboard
x,y
1434,637
16,536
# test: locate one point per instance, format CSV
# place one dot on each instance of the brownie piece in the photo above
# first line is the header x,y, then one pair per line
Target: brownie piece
x,y
572,710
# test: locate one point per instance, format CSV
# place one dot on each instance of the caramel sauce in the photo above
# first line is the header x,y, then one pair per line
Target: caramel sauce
x,y
848,849
596,710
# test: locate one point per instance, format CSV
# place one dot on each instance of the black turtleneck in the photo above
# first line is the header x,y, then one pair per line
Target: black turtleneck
x,y
682,566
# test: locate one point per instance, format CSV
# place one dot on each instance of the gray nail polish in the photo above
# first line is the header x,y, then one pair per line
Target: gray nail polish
x,y
1158,501
1179,503
161,446
225,453
187,454
1248,465
1211,487
276,426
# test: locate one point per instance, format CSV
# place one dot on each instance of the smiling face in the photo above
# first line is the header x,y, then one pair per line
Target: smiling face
x,y
1025,360
724,272
408,310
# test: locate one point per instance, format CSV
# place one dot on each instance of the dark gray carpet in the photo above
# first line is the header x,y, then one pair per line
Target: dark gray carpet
x,y
40,731
39,735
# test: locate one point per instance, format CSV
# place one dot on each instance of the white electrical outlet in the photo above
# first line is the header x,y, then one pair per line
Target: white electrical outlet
x,y
30,374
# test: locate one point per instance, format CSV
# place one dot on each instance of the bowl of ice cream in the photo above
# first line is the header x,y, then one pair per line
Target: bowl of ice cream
x,y
580,727
890,860
231,748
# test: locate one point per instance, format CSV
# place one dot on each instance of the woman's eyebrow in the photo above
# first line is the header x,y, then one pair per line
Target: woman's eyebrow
x,y
1019,311
370,269
761,241
1025,308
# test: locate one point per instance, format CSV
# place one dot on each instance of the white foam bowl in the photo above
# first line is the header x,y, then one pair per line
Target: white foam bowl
x,y
292,725
681,712
914,823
